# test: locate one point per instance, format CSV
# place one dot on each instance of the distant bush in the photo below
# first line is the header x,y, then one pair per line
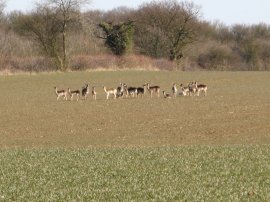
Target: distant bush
x,y
108,61
264,54
216,58
27,64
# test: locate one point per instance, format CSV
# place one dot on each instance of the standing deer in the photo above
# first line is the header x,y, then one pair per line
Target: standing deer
x,y
85,91
192,88
201,88
74,92
94,93
60,93
141,91
110,91
153,89
131,91
120,90
174,90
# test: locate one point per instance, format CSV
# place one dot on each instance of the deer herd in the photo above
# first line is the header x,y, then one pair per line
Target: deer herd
x,y
192,89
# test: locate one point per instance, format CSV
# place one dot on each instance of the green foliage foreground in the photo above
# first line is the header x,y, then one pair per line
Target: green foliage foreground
x,y
239,173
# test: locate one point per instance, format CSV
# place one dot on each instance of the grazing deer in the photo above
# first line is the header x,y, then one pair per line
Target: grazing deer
x,y
74,92
85,91
60,93
166,95
185,90
110,91
201,88
153,89
131,91
94,93
174,90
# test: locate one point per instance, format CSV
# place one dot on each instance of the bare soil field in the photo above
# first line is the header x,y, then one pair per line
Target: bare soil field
x,y
236,111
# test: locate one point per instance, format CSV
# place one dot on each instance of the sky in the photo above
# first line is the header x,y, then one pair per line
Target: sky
x,y
228,12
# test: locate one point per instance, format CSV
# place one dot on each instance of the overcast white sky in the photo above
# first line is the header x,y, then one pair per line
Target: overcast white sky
x,y
226,11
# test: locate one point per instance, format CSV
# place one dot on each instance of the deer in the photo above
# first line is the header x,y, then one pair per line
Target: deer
x,y
60,93
174,90
74,92
141,91
130,91
94,93
153,89
185,90
166,95
200,88
110,91
85,91
120,90
192,88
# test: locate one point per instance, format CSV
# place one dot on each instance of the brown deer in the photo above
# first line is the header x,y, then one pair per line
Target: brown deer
x,y
130,91
110,91
200,88
185,90
120,90
74,92
192,88
94,93
174,90
153,89
166,95
60,93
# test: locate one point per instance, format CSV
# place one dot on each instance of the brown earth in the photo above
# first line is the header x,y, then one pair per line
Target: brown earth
x,y
235,111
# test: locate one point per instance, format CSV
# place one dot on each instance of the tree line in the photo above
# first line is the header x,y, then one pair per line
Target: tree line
x,y
168,34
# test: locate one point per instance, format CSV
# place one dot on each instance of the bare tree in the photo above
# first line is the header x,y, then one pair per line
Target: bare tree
x,y
49,25
67,13
166,27
2,6
42,26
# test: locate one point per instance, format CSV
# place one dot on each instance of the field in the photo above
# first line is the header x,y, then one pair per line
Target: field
x,y
213,148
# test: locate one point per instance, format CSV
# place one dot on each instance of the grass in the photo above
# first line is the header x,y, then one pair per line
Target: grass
x,y
156,174
213,148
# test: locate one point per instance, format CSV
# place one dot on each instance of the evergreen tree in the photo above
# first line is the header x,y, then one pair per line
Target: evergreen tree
x,y
119,37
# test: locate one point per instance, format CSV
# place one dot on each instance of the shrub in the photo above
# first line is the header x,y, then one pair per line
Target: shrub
x,y
216,58
108,61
